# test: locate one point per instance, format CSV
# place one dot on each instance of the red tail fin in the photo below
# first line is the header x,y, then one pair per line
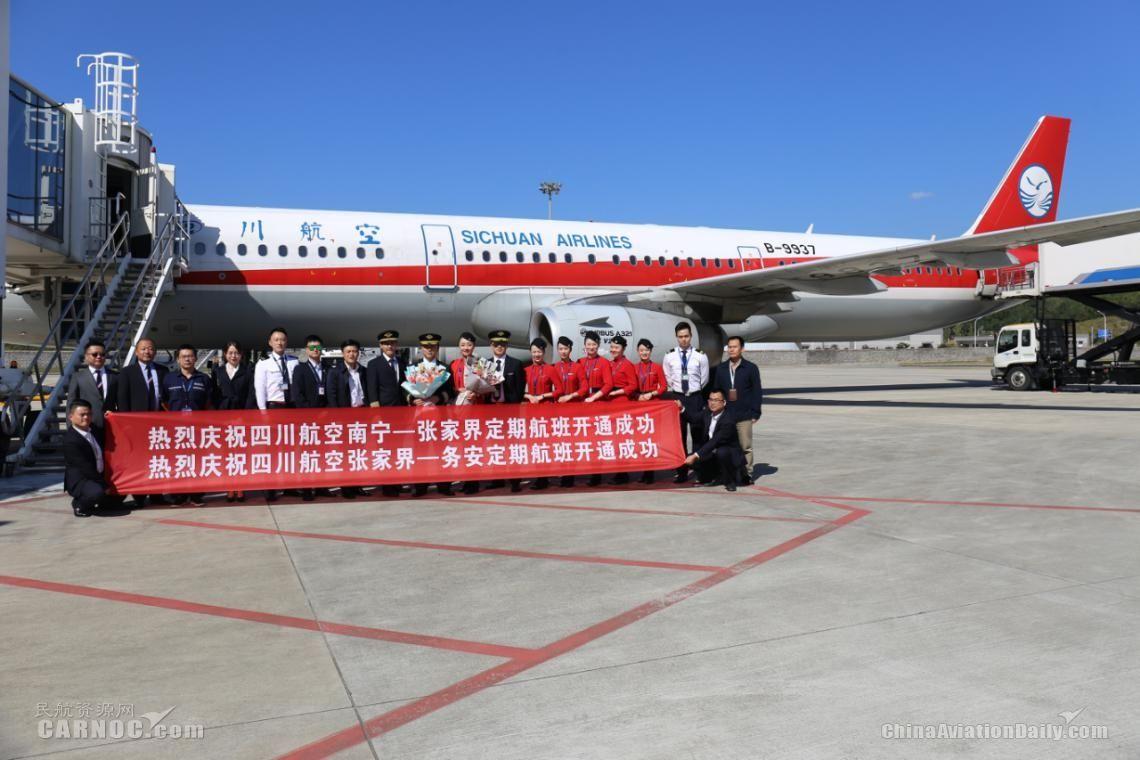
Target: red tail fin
x,y
1031,188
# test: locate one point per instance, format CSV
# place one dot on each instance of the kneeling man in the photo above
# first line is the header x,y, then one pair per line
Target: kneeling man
x,y
721,455
83,463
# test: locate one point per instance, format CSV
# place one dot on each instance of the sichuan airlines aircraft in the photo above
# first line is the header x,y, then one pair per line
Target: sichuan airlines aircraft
x,y
352,274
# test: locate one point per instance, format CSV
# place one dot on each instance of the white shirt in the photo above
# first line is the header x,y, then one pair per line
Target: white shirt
x,y
268,383
100,375
712,424
355,390
150,375
94,445
698,365
231,370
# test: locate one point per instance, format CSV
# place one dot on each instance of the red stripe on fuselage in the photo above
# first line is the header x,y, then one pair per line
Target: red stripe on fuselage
x,y
527,274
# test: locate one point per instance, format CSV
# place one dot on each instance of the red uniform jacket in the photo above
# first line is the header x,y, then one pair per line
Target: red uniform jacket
x,y
566,374
625,378
650,377
593,375
459,378
543,378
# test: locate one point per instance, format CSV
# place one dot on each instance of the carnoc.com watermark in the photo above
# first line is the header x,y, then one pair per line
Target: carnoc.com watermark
x,y
1031,731
109,720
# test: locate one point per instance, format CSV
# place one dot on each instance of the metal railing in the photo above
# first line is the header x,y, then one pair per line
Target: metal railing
x,y
129,289
1017,279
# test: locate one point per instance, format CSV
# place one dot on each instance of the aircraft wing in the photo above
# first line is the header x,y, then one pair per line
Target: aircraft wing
x,y
850,275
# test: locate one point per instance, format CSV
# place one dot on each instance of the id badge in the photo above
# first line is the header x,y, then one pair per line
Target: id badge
x,y
732,394
281,385
320,390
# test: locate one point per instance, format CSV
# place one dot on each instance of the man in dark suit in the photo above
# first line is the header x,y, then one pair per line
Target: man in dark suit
x,y
140,390
346,387
739,379
307,391
384,375
721,453
95,384
140,385
83,463
513,387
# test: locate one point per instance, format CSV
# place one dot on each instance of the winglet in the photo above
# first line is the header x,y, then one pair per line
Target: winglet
x,y
1031,188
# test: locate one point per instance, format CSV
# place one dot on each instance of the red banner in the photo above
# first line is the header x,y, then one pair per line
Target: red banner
x,y
191,452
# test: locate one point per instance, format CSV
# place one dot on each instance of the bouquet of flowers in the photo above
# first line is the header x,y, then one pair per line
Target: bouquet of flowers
x,y
479,379
424,379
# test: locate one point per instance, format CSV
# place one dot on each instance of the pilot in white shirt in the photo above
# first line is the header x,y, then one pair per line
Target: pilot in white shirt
x,y
274,374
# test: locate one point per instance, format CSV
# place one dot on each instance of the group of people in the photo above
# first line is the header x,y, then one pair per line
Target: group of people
x,y
717,412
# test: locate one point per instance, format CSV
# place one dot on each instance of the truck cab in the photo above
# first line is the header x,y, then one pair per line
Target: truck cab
x,y
1016,356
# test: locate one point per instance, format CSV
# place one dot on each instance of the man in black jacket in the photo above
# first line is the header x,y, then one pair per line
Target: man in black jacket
x,y
94,383
513,387
346,387
83,463
721,453
384,374
739,379
307,391
140,385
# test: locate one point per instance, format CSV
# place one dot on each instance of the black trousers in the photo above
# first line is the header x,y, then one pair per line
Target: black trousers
x,y
90,494
726,464
693,434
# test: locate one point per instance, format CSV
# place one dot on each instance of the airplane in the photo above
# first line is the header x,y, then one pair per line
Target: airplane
x,y
351,274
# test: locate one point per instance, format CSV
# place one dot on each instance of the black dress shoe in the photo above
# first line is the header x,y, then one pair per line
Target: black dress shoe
x,y
594,481
79,511
348,493
418,491
621,479
471,487
390,490
567,481
680,477
515,486
307,495
444,489
730,486
647,478
271,496
746,480
539,485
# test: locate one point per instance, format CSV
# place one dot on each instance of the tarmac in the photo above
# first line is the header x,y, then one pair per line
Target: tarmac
x,y
925,567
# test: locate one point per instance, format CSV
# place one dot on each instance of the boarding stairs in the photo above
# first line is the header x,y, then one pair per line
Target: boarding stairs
x,y
115,301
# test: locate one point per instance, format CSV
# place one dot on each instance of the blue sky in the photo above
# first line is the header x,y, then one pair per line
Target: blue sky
x,y
731,115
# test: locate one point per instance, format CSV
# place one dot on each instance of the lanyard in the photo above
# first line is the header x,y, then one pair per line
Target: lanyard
x,y
731,375
643,375
565,369
590,367
537,375
187,384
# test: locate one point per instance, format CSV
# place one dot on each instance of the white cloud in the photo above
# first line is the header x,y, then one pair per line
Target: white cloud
x,y
921,195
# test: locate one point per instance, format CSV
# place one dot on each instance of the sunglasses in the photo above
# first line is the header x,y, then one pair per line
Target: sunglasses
x,y
314,346
95,354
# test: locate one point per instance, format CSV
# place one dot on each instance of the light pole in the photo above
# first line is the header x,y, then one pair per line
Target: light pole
x,y
550,189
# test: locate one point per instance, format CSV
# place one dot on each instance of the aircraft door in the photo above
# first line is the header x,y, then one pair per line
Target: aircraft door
x,y
440,265
750,257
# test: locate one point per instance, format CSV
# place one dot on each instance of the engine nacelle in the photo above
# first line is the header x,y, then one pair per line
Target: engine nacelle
x,y
552,322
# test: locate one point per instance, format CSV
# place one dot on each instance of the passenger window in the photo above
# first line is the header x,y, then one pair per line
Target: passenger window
x,y
617,260
689,261
519,257
360,253
503,256
1007,340
282,250
569,259
220,249
648,260
341,252
322,252
470,255
486,255
704,261
537,257
661,260
242,249
731,264
676,261
552,258
302,251
380,253
782,262
262,250
199,248
592,258
717,263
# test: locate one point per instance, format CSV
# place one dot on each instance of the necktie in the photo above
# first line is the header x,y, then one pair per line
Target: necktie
x,y
395,364
148,372
284,374
499,387
99,383
684,371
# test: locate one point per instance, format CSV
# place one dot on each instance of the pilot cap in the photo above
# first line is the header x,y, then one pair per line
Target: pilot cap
x,y
387,336
500,336
429,339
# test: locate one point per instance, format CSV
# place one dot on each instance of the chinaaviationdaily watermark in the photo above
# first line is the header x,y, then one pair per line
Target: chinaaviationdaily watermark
x,y
1047,731
109,720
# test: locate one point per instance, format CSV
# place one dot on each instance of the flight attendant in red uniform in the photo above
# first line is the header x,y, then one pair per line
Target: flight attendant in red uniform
x,y
650,383
625,385
595,380
565,368
459,368
543,386
623,372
